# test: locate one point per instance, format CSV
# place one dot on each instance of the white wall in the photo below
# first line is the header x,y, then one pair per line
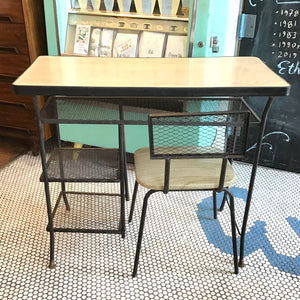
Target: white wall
x,y
234,10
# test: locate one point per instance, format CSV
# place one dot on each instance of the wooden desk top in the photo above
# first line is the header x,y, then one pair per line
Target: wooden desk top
x,y
181,77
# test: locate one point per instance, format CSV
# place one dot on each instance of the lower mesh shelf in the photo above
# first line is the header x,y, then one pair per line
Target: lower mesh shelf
x,y
83,165
88,212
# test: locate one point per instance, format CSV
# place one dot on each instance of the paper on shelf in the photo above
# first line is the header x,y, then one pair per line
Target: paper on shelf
x,y
105,49
151,44
82,4
75,4
175,6
125,45
165,6
176,46
148,6
139,6
95,41
96,4
124,5
82,37
109,4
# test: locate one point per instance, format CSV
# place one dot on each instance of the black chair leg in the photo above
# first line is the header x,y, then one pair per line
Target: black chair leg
x,y
126,179
215,204
142,223
136,185
223,202
233,232
63,190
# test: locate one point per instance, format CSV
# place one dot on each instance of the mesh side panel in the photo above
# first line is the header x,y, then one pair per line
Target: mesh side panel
x,y
135,109
105,109
193,135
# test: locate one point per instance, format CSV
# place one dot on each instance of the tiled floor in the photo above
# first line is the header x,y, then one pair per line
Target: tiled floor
x,y
185,254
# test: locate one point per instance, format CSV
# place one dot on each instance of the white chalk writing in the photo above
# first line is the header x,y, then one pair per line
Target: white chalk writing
x,y
253,2
288,67
285,40
287,1
269,144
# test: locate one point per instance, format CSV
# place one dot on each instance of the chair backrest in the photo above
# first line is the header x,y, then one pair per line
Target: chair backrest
x,y
198,135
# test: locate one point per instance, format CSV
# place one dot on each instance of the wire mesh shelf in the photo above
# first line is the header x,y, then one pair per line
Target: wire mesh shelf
x,y
83,165
90,212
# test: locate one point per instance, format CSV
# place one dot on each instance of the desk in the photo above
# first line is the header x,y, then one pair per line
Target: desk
x,y
187,78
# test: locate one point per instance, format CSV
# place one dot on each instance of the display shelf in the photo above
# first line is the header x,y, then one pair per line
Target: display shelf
x,y
126,23
130,15
83,165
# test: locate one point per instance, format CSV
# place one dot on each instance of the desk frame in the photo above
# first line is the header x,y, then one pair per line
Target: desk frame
x,y
188,78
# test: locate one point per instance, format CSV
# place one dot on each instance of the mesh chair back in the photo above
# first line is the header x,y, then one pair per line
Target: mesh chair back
x,y
195,135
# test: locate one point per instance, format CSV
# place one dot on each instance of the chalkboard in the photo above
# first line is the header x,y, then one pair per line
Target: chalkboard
x,y
276,41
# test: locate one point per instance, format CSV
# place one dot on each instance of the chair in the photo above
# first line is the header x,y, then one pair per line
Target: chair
x,y
191,151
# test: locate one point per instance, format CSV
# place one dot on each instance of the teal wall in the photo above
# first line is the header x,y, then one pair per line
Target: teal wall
x,y
62,19
212,20
217,26
201,26
50,27
105,135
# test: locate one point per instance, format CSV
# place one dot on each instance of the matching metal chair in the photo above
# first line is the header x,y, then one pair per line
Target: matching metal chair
x,y
191,151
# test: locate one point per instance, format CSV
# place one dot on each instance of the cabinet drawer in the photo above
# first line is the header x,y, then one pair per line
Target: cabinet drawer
x,y
17,116
13,64
7,93
13,39
11,11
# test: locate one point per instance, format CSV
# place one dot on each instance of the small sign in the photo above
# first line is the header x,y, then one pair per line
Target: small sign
x,y
82,38
125,45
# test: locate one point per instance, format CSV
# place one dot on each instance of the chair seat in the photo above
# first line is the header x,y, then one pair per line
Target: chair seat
x,y
185,174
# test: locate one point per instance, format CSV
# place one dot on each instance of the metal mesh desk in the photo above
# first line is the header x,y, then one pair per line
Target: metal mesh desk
x,y
120,85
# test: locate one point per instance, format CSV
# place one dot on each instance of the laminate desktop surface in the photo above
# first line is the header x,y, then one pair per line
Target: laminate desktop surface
x,y
183,77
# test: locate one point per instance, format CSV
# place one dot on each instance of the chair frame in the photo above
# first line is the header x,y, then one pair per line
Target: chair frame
x,y
168,157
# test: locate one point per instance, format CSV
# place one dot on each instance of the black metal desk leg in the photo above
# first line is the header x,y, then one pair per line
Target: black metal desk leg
x,y
46,182
123,171
121,116
61,168
252,179
122,179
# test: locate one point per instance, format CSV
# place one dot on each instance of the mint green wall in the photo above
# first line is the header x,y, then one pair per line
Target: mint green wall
x,y
62,18
201,26
105,135
50,27
212,19
217,26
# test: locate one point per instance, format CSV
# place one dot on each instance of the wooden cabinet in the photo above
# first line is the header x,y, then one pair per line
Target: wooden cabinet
x,y
22,39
